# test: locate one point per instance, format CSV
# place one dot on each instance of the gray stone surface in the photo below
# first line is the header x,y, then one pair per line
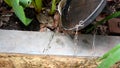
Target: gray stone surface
x,y
50,43
23,42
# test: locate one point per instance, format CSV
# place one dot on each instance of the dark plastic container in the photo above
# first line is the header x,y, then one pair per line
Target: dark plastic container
x,y
80,13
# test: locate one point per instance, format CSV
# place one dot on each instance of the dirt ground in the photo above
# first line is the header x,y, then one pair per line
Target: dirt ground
x,y
37,61
48,61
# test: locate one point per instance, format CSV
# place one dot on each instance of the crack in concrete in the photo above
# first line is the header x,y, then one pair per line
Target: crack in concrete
x,y
48,46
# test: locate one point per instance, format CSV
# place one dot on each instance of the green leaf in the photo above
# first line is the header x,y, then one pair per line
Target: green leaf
x,y
53,8
8,2
110,58
116,14
110,52
37,4
25,3
19,11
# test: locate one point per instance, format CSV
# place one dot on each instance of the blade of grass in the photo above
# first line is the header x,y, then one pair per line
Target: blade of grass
x,y
113,15
37,4
111,59
110,52
53,8
8,2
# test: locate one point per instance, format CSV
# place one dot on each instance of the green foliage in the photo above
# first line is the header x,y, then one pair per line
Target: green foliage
x,y
113,15
19,9
110,57
19,6
53,8
38,5
8,2
25,3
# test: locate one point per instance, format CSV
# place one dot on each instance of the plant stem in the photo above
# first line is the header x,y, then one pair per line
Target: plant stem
x,y
38,5
113,15
53,8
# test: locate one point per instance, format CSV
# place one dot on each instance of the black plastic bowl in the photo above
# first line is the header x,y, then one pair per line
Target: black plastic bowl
x,y
80,13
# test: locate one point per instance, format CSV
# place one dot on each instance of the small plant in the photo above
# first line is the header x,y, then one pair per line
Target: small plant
x,y
53,8
19,6
37,5
110,57
113,15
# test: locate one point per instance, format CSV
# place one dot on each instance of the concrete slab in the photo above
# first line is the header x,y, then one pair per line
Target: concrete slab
x,y
101,44
24,42
50,43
